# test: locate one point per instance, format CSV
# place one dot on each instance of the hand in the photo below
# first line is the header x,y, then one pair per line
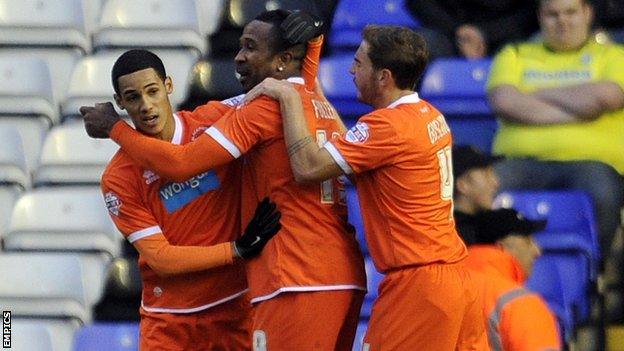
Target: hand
x,y
270,87
262,227
471,42
300,26
99,119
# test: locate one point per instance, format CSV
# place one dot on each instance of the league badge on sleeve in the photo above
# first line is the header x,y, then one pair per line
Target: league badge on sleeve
x,y
358,133
113,203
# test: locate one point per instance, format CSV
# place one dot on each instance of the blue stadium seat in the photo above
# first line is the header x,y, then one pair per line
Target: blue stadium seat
x,y
373,279
475,131
546,281
456,86
108,337
359,335
352,16
355,217
338,85
571,222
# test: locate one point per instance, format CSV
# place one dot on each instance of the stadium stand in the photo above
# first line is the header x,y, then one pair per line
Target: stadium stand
x,y
43,285
150,24
118,336
57,335
85,226
70,157
43,23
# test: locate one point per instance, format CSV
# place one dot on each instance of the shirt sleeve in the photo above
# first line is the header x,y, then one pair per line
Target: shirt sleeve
x,y
173,162
309,69
247,125
505,68
528,324
126,208
211,112
371,143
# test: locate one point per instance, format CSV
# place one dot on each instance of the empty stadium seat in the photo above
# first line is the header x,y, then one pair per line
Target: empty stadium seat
x,y
571,222
121,297
359,335
209,13
31,337
43,23
26,88
353,15
241,12
91,79
214,79
70,156
474,131
355,217
60,62
61,332
32,132
107,337
456,86
8,196
373,279
13,169
62,219
43,285
338,86
150,24
546,281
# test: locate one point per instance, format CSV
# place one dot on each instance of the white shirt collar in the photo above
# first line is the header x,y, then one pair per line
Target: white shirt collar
x,y
407,99
178,130
296,80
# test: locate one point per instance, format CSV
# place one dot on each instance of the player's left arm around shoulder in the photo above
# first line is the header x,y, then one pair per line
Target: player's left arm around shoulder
x,y
309,162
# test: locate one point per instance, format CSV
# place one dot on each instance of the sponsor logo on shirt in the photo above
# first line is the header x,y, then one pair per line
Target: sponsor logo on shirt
x,y
113,203
358,133
177,195
535,76
150,177
437,129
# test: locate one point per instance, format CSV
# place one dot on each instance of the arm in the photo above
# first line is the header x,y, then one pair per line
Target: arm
x,y
309,68
514,106
174,162
166,259
308,161
587,101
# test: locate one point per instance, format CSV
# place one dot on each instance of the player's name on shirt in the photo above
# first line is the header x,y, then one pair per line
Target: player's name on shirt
x,y
437,129
323,109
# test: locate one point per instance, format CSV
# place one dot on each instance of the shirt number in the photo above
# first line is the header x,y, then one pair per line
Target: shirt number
x,y
327,190
445,160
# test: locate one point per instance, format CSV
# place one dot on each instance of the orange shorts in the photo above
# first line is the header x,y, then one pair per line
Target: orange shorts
x,y
224,327
434,307
316,320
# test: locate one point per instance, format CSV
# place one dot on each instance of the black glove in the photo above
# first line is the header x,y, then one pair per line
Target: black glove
x,y
300,26
262,227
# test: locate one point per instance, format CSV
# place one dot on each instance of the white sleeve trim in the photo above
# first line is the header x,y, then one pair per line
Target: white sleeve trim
x,y
335,154
143,233
223,141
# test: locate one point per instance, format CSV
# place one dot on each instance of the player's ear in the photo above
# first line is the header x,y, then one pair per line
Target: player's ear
x,y
118,101
168,85
384,75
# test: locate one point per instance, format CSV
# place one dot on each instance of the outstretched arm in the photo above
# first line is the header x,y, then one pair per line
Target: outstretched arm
x,y
175,162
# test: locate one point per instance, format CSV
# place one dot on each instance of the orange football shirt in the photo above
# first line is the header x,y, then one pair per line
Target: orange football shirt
x,y
201,211
401,158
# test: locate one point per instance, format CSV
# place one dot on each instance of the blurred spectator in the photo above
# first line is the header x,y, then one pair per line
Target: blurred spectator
x,y
477,28
502,254
560,105
476,185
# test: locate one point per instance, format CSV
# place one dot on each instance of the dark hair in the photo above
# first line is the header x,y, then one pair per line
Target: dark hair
x,y
398,49
136,60
276,41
